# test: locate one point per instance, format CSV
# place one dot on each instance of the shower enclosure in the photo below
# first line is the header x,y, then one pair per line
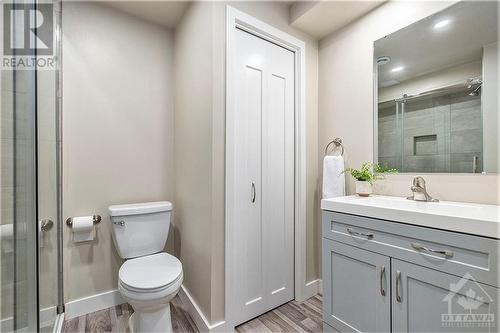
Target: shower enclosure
x,y
30,170
435,131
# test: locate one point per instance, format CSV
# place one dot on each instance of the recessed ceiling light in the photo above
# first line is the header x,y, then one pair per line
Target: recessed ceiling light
x,y
397,69
441,24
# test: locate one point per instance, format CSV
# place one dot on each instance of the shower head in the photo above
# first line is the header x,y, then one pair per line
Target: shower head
x,y
474,81
477,91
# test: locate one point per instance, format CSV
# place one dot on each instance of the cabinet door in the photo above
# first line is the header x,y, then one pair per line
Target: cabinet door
x,y
356,294
425,300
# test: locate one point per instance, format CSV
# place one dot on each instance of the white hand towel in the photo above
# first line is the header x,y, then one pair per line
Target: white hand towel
x,y
333,178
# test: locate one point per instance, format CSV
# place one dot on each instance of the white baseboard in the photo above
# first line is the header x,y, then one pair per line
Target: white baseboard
x,y
197,315
313,288
82,306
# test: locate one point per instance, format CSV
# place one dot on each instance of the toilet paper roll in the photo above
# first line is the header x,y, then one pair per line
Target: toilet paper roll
x,y
83,228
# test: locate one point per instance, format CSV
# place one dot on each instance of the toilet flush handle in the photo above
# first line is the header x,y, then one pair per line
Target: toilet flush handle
x,y
120,223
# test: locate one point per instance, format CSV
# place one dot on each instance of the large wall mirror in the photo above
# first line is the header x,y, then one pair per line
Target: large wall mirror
x,y
437,106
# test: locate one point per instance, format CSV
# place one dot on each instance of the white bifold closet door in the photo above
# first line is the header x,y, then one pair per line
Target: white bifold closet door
x,y
264,176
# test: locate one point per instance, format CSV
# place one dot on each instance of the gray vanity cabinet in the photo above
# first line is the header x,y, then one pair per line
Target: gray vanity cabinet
x,y
382,276
424,301
360,283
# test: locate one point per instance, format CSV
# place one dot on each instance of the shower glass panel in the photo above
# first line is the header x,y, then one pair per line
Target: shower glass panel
x,y
30,283
437,132
426,138
389,134
18,200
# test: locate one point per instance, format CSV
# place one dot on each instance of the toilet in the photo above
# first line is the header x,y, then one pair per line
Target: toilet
x,y
149,278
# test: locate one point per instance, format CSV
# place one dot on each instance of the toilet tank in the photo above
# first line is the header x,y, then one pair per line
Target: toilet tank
x,y
140,229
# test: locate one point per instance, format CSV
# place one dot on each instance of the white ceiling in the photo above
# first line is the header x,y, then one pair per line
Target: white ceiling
x,y
321,18
422,49
164,13
316,18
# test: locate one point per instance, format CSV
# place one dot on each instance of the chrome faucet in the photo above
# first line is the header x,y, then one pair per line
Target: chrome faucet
x,y
419,191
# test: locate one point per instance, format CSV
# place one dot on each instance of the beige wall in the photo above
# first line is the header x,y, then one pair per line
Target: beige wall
x,y
200,131
117,130
105,122
346,101
194,151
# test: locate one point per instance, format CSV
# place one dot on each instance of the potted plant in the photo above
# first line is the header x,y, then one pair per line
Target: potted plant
x,y
367,175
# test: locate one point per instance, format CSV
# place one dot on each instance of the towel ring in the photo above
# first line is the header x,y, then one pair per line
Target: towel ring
x,y
338,143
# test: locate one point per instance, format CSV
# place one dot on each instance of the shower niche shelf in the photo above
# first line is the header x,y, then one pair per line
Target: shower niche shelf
x,y
425,145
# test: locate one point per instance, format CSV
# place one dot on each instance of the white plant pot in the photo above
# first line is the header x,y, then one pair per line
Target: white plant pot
x,y
363,188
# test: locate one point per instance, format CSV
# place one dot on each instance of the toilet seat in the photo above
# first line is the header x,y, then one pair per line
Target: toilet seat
x,y
150,274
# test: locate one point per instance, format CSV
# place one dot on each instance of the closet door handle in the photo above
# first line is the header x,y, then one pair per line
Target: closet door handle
x,y
382,277
253,192
398,286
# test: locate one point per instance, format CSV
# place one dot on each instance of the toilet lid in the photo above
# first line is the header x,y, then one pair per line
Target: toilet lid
x,y
150,272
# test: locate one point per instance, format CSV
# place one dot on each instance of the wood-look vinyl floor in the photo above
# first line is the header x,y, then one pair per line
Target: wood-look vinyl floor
x,y
290,317
115,319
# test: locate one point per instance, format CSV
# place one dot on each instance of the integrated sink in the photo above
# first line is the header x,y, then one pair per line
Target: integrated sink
x,y
475,219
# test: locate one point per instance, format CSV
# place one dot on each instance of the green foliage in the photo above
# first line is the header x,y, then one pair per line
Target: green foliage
x,y
381,169
370,172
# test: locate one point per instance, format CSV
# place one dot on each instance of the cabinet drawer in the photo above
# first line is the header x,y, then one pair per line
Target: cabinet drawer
x,y
441,250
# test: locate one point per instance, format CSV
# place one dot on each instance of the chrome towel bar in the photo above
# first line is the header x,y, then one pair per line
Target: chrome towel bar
x,y
338,143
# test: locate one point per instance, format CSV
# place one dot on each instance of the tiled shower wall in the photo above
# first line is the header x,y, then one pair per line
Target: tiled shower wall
x,y
436,134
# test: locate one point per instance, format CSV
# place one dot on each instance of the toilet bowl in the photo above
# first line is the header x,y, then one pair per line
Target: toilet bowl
x,y
149,279
148,284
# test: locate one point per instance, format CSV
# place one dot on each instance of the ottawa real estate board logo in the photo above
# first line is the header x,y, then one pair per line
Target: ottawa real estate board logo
x,y
28,36
469,306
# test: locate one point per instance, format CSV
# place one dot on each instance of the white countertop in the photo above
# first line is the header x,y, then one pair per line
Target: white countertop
x,y
475,219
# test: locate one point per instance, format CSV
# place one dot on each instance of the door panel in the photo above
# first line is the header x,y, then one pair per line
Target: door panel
x,y
264,173
356,295
428,297
251,176
277,169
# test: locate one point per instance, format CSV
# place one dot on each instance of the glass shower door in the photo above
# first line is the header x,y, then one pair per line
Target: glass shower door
x,y
30,285
389,134
19,308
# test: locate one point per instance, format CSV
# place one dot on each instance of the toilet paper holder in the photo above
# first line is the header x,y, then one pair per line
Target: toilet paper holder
x,y
96,219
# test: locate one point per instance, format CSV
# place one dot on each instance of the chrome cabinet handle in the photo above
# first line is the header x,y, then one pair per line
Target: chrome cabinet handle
x,y
120,223
420,247
398,286
253,192
382,277
359,234
46,224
